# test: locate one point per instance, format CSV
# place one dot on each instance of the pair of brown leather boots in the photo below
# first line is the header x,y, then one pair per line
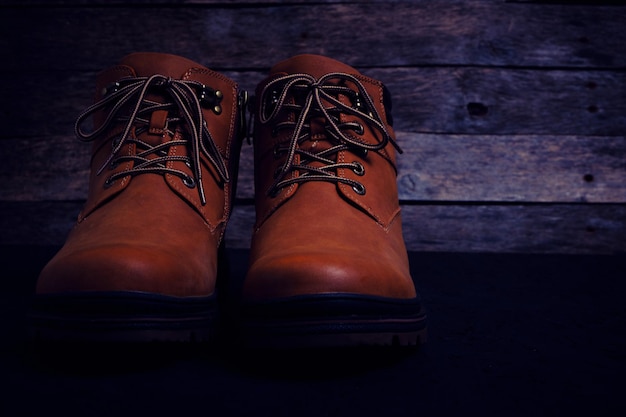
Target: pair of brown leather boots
x,y
328,263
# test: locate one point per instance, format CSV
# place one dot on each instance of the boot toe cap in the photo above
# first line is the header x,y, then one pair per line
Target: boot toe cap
x,y
294,275
124,269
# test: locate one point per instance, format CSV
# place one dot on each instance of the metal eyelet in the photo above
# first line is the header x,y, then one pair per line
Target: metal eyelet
x,y
108,183
242,99
359,188
189,182
274,97
357,101
273,193
358,168
111,88
358,105
114,164
210,98
116,142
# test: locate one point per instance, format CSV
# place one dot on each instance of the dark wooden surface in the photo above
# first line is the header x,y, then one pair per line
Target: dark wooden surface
x,y
512,114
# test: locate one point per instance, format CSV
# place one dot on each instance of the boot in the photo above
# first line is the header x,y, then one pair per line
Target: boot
x,y
328,263
142,261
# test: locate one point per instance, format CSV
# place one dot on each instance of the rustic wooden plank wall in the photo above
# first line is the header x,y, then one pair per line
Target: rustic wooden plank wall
x,y
512,114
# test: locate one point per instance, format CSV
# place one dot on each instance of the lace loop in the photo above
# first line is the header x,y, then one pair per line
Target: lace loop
x,y
182,96
326,89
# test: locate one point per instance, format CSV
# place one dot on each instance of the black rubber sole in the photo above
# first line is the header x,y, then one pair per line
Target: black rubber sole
x,y
122,317
333,320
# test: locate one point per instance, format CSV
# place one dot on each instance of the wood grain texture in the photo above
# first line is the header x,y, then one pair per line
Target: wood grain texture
x,y
463,168
561,228
494,228
512,168
512,115
486,33
470,168
427,100
507,101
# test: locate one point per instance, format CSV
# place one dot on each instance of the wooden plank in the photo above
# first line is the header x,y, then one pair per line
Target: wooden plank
x,y
433,168
494,228
516,228
500,168
428,100
445,32
512,168
506,101
566,228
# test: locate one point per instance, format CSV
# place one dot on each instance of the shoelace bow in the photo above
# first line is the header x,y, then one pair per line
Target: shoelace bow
x,y
184,99
327,88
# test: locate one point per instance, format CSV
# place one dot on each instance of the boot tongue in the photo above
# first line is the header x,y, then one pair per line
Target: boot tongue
x,y
315,65
146,64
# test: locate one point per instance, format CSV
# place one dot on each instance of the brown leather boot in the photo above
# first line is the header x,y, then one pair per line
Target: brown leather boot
x,y
328,261
142,261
